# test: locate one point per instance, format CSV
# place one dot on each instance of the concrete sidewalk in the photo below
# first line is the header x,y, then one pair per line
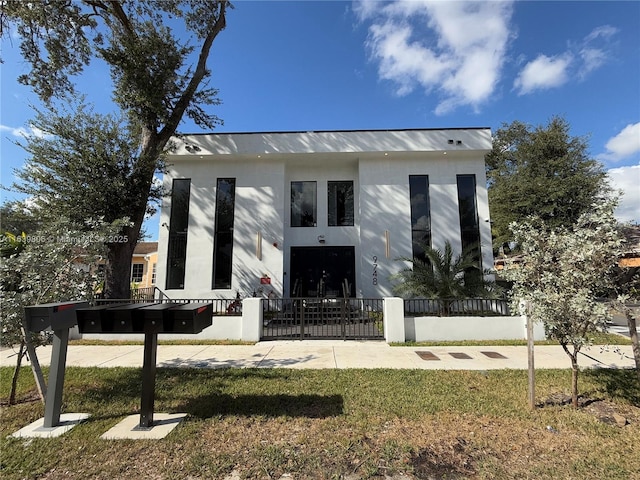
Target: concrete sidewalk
x,y
333,354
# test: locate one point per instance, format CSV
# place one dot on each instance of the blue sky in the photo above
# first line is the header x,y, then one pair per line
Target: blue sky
x,y
336,65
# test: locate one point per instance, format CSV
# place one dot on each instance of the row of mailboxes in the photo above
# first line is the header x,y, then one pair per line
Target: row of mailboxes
x,y
145,318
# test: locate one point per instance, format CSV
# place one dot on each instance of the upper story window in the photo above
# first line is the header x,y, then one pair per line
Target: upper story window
x,y
304,204
340,203
420,214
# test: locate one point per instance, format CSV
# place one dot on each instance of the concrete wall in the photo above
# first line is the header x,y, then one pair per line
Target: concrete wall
x,y
397,327
420,329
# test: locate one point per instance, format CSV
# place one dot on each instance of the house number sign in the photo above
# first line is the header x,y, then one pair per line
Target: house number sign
x,y
374,273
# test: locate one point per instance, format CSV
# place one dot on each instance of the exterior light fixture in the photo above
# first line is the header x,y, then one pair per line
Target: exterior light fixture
x,y
387,244
259,245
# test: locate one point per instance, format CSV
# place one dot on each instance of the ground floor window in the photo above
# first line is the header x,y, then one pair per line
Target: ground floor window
x,y
137,271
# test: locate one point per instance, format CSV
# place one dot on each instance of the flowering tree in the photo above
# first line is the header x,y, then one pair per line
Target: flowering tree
x,y
56,263
562,271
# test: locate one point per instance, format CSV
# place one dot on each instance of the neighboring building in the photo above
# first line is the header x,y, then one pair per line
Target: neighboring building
x,y
144,264
631,256
317,213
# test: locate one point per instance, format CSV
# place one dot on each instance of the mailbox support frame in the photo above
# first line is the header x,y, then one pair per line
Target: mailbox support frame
x,y
147,398
55,384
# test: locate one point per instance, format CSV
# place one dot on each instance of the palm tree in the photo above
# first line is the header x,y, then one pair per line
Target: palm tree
x,y
441,276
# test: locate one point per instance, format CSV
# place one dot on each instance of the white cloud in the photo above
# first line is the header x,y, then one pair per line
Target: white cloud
x,y
456,49
579,60
543,73
627,179
23,132
624,144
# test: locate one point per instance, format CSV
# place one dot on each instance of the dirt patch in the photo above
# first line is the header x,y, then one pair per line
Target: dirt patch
x,y
450,459
604,410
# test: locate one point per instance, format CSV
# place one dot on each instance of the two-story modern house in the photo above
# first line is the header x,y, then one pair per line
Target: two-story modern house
x,y
324,213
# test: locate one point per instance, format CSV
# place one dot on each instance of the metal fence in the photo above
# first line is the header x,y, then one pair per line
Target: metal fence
x,y
221,306
317,318
481,307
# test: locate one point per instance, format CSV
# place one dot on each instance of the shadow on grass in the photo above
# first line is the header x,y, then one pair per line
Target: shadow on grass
x,y
203,392
617,383
302,405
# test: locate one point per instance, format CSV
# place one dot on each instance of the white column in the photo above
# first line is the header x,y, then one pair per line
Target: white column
x,y
251,319
393,312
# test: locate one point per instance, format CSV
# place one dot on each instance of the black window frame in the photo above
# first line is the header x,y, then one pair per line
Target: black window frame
x,y
420,230
178,233
223,234
340,211
303,219
134,273
469,221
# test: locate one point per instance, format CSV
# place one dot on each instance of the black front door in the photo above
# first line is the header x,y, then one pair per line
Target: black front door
x,y
322,271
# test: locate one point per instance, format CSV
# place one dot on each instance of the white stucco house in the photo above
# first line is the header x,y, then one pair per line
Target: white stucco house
x,y
285,214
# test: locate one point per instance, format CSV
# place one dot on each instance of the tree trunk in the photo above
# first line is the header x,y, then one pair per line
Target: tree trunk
x,y
574,380
118,269
14,380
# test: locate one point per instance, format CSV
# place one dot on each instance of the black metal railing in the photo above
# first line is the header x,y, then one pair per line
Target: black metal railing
x,y
450,307
221,306
316,318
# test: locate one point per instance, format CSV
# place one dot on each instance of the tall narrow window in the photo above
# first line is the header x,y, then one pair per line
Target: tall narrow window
x,y
153,274
178,226
303,204
340,202
223,233
420,214
469,227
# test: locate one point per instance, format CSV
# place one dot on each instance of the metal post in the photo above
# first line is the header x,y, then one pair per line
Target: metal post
x,y
53,400
301,302
148,379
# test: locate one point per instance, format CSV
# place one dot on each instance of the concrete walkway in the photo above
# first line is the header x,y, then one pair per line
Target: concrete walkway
x,y
333,354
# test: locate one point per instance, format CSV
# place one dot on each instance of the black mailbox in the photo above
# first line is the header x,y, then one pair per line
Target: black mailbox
x,y
189,318
127,318
157,318
52,316
94,320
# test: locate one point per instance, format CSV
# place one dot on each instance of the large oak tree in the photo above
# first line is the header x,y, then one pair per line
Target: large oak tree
x,y
541,171
158,78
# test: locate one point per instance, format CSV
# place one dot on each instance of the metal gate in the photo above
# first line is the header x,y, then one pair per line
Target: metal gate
x,y
322,318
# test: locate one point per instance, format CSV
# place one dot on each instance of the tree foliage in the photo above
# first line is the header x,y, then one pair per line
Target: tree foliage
x,y
563,269
540,171
81,164
442,275
158,79
57,262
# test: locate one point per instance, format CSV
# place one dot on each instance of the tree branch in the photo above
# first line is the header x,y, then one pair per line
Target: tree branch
x,y
199,73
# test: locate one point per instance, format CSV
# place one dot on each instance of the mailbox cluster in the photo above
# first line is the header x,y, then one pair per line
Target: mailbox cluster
x,y
145,318
149,319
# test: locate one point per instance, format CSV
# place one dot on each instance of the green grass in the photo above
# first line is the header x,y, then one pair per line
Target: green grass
x,y
317,424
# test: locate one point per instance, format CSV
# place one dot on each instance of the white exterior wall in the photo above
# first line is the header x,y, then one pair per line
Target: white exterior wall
x,y
264,165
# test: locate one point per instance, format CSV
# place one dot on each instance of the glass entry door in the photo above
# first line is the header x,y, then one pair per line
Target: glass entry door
x,y
322,271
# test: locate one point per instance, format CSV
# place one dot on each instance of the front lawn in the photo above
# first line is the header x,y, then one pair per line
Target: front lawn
x,y
329,424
